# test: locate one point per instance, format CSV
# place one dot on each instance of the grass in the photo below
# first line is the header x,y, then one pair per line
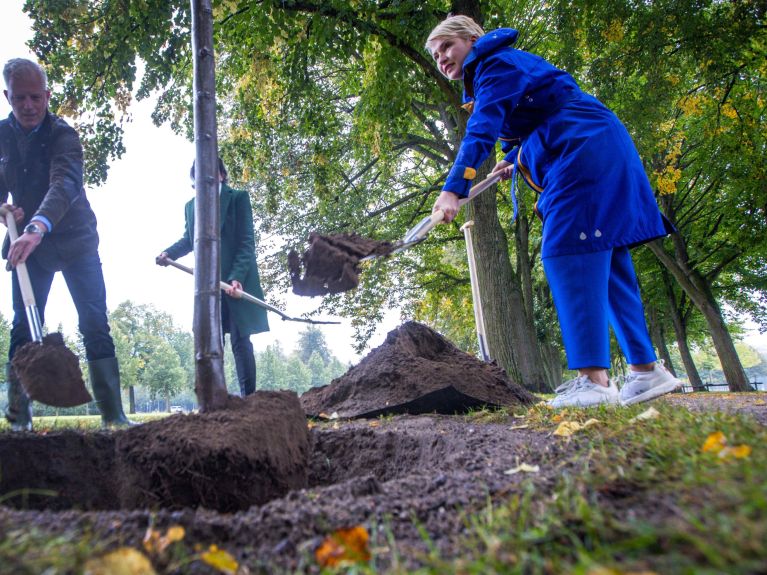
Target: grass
x,y
635,496
78,422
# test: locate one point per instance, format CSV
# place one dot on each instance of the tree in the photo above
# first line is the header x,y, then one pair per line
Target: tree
x,y
312,340
163,376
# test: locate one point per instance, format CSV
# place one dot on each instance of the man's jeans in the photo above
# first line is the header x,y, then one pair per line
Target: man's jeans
x,y
85,282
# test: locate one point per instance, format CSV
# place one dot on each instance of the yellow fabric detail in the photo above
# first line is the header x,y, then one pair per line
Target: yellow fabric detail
x,y
468,106
526,173
469,174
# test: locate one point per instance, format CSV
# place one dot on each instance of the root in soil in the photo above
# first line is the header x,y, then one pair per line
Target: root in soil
x,y
331,264
50,373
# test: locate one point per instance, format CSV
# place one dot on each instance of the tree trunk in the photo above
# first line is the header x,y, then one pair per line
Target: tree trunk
x,y
680,332
131,399
210,385
511,341
658,337
699,291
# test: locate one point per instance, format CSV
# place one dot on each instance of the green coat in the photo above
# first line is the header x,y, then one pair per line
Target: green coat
x,y
238,256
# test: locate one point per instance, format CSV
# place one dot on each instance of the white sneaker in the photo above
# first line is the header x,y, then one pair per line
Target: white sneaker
x,y
646,385
582,392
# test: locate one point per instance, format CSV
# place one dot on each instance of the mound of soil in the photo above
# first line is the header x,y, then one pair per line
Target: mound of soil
x,y
50,373
252,452
416,370
331,264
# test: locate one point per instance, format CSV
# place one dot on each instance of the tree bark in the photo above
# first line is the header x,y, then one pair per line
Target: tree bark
x,y
658,337
680,332
210,385
131,399
698,290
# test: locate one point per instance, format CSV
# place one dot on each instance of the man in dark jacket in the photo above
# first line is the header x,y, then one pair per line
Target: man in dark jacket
x,y
239,318
41,166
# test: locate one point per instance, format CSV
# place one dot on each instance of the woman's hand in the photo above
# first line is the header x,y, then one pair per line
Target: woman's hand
x,y
448,203
505,168
162,259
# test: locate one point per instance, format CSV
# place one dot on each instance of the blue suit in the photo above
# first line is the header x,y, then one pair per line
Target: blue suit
x,y
594,196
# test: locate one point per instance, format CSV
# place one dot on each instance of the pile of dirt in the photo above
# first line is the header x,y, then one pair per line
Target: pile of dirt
x,y
416,370
252,452
331,264
50,372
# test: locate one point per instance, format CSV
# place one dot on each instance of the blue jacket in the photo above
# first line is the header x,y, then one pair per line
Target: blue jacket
x,y
594,193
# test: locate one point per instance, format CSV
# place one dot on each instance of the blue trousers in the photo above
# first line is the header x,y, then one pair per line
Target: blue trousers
x,y
242,349
593,292
85,282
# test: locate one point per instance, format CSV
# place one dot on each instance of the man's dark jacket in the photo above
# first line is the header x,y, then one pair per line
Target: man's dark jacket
x,y
43,172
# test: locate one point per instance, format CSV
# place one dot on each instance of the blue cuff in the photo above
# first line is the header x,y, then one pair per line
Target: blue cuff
x,y
459,180
43,219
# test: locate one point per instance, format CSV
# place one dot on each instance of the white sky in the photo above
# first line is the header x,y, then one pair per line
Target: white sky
x,y
140,212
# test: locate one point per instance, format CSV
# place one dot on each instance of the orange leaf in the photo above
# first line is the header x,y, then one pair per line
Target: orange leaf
x,y
344,547
714,443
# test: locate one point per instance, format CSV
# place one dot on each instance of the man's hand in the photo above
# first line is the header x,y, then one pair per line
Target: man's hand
x,y
448,203
235,289
162,259
18,214
23,247
505,168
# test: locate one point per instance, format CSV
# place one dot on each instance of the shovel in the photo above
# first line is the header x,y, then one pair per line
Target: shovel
x,y
247,297
47,370
331,264
418,232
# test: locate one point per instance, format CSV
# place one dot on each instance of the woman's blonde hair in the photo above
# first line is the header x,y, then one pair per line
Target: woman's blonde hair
x,y
455,26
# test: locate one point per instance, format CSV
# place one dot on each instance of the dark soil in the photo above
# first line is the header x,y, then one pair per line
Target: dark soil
x,y
415,370
331,264
50,372
259,482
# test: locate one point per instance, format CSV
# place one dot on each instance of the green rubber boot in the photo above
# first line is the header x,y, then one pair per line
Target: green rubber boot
x,y
105,382
19,412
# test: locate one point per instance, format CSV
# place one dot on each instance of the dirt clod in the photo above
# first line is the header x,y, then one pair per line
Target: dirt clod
x,y
416,370
50,373
331,264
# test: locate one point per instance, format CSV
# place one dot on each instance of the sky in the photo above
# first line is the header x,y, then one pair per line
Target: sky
x,y
140,212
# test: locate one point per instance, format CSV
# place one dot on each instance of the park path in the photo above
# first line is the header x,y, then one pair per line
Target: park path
x,y
751,403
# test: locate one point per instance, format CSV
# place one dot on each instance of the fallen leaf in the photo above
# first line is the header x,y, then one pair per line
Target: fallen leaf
x,y
738,452
122,561
715,442
650,413
522,468
760,402
374,423
344,547
524,426
568,428
219,559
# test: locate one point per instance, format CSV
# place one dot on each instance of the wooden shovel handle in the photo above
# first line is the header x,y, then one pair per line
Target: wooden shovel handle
x,y
27,294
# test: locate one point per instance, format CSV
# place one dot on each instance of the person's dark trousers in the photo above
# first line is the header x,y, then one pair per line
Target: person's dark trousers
x,y
85,282
242,349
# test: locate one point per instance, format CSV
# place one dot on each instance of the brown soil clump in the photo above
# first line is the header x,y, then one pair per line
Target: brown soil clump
x,y
416,370
252,452
331,264
50,373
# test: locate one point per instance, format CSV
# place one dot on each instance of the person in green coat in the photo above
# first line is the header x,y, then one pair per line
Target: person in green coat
x,y
239,318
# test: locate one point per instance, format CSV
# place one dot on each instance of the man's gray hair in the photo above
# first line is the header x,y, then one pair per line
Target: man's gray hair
x,y
21,66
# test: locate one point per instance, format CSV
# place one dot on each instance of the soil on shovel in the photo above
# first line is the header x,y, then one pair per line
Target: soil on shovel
x,y
416,370
50,373
331,264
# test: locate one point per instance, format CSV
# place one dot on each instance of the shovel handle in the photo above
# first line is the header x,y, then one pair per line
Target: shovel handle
x,y
27,294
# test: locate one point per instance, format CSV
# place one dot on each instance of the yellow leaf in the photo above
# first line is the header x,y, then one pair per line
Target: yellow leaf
x,y
714,443
522,468
344,547
175,533
760,402
650,413
122,561
567,428
738,452
219,559
523,426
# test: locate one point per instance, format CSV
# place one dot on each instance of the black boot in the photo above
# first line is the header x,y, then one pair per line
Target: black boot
x,y
19,412
105,382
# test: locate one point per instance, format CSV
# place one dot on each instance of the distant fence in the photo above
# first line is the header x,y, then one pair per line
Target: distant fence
x,y
755,386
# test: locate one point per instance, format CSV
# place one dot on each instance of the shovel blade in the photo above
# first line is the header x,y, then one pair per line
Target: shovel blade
x,y
50,373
